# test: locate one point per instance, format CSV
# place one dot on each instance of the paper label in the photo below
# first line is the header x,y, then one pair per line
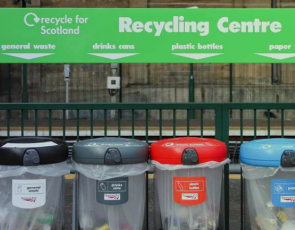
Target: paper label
x,y
189,190
283,193
29,145
28,194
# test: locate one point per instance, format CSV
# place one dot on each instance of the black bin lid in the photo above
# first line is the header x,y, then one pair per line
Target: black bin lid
x,y
110,151
32,151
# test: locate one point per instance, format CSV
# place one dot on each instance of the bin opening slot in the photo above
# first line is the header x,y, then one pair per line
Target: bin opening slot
x,y
288,159
113,157
31,158
190,157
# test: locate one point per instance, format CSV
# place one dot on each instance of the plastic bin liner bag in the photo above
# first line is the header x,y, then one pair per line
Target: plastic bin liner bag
x,y
189,196
270,195
31,197
111,197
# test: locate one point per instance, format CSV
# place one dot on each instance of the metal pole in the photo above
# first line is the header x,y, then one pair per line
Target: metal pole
x,y
191,90
9,83
67,97
25,88
25,79
67,91
230,82
121,83
275,77
24,4
0,73
121,88
230,85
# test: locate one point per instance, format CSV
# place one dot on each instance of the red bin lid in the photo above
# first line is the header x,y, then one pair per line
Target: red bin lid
x,y
170,151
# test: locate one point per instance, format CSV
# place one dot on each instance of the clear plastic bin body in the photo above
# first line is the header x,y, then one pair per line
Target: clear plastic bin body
x,y
261,213
204,216
47,217
127,216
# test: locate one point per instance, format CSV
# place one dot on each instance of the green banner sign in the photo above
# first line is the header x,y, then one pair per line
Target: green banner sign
x,y
147,35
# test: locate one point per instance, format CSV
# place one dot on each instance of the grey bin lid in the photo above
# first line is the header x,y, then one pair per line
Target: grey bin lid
x,y
110,151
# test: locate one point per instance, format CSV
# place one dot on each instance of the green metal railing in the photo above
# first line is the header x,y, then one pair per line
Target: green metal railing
x,y
188,110
221,119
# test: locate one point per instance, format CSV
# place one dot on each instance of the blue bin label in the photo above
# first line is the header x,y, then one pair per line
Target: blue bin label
x,y
283,193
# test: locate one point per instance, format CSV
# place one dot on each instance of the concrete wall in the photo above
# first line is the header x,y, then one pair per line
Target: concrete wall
x,y
154,83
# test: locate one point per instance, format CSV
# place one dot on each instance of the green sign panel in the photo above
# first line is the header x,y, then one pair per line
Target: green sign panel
x,y
147,35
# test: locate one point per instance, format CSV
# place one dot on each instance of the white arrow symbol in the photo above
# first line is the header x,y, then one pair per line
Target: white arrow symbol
x,y
28,56
197,56
113,56
278,56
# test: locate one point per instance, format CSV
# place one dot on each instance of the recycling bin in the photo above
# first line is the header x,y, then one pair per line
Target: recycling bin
x,y
111,183
188,181
268,167
31,182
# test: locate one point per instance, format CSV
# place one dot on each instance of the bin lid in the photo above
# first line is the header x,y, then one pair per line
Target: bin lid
x,y
32,151
273,152
188,151
110,151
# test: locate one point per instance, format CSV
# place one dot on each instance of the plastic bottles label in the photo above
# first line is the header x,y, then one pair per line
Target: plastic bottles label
x,y
189,190
283,193
28,194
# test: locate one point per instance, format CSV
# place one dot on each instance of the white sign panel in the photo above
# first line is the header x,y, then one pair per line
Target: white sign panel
x,y
28,194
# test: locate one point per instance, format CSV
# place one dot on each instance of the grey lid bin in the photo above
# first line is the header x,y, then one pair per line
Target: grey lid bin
x,y
111,184
110,151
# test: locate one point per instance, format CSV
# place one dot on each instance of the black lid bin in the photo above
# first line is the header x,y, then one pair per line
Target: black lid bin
x,y
31,174
111,183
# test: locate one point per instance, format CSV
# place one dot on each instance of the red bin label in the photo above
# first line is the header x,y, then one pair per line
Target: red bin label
x,y
189,190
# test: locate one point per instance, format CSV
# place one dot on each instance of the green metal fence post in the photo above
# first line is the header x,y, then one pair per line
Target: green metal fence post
x,y
25,88
191,90
224,129
25,80
9,83
230,82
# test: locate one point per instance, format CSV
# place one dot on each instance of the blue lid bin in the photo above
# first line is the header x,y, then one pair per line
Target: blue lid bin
x,y
269,170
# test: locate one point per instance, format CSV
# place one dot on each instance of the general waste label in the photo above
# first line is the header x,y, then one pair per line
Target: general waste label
x,y
147,36
189,190
283,193
113,191
28,194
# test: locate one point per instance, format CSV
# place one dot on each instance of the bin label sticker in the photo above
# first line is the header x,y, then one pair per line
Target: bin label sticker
x,y
189,190
28,194
112,196
113,191
283,193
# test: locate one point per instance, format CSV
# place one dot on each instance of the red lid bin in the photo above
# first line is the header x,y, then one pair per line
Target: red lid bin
x,y
174,151
188,182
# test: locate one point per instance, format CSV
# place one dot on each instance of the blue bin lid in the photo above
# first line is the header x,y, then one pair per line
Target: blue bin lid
x,y
265,152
